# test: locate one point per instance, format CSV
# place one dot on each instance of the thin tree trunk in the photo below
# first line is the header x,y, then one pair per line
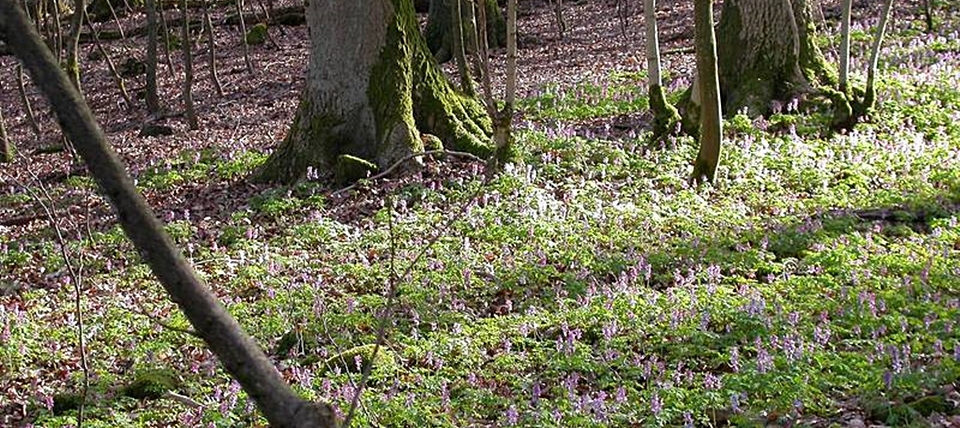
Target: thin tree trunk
x,y
191,114
7,144
845,6
152,98
705,167
871,92
665,116
27,107
558,15
243,37
211,49
113,69
239,353
73,44
113,13
928,15
460,53
166,39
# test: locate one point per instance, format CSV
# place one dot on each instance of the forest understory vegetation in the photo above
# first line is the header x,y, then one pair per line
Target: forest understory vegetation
x,y
816,282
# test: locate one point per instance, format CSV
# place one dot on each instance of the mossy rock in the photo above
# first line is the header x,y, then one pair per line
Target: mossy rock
x,y
257,35
351,168
66,402
431,142
346,362
151,384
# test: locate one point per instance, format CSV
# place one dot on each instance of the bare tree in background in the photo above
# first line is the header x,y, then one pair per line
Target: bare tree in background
x,y
211,49
189,111
243,37
152,98
238,352
665,116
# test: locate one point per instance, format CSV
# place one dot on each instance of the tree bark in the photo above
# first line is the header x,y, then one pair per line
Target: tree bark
x,y
665,116
187,94
371,85
238,352
440,33
152,99
767,54
705,167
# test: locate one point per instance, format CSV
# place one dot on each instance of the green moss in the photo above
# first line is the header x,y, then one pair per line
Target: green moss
x,y
665,116
354,359
151,384
257,34
351,168
431,142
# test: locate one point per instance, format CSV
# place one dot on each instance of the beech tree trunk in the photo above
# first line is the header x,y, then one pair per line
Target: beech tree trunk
x,y
665,116
767,54
705,167
372,86
237,351
440,31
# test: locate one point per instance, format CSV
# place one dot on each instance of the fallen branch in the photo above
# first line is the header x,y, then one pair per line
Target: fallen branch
x,y
397,164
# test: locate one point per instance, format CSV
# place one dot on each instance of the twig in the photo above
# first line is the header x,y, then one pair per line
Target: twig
x,y
384,320
397,164
76,279
182,399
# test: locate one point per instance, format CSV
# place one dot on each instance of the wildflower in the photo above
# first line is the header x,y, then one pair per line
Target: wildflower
x,y
656,404
687,420
735,403
735,359
512,415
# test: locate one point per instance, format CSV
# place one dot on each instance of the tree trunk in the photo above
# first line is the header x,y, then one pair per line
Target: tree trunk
x,y
371,84
72,63
665,116
6,146
187,42
767,54
705,167
440,28
153,100
237,351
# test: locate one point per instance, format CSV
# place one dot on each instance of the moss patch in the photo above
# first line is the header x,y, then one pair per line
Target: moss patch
x,y
151,384
257,34
351,168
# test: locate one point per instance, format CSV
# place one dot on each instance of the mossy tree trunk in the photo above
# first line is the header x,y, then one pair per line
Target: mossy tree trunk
x,y
440,31
372,86
767,54
705,167
665,116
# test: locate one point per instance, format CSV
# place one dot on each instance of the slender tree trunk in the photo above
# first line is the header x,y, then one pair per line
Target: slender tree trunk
x,y
928,15
27,106
705,167
558,16
665,116
845,6
166,39
73,44
343,123
466,82
870,95
238,352
113,69
191,114
7,144
152,98
211,49
243,37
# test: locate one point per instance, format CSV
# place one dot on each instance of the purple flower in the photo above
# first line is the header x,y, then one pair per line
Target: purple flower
x,y
512,415
735,359
656,404
687,420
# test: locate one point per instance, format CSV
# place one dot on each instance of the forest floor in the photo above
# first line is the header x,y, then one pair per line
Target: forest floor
x,y
816,284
